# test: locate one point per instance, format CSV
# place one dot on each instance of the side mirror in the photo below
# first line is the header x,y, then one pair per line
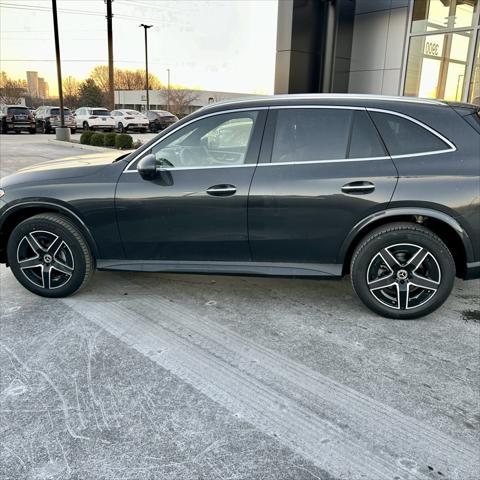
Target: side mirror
x,y
147,167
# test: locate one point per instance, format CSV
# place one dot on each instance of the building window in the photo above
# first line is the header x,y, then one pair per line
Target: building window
x,y
442,39
474,95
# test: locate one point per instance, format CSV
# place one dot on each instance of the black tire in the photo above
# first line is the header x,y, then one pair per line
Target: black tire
x,y
45,128
86,126
121,128
402,271
32,131
49,256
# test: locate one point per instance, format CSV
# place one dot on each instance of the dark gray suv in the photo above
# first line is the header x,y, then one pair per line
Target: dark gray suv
x,y
386,189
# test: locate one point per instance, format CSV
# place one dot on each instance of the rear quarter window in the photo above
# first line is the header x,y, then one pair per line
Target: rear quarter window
x,y
406,137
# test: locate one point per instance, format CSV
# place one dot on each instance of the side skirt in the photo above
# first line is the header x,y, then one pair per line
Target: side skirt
x,y
230,268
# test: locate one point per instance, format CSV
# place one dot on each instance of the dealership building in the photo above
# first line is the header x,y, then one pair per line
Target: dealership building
x,y
425,48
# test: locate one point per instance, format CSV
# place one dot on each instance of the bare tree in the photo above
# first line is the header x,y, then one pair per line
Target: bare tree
x,y
11,91
71,91
179,99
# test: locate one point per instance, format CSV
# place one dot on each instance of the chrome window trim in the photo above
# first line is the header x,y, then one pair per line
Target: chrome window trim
x,y
336,160
223,112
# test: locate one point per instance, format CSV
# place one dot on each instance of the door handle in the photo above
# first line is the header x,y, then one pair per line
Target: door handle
x,y
222,190
358,188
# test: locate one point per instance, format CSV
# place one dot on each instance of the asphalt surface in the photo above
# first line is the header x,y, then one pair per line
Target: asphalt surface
x,y
159,376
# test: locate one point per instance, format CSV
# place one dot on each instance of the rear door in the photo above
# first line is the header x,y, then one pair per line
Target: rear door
x,y
322,170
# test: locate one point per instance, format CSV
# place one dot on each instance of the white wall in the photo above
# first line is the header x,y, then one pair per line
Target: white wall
x,y
378,46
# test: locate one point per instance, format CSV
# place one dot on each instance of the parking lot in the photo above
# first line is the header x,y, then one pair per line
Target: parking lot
x,y
160,376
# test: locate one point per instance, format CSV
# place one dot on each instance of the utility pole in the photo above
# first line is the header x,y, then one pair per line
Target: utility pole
x,y
146,27
63,135
168,89
111,86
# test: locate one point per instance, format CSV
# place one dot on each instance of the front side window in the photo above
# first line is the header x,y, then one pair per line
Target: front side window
x,y
404,137
219,140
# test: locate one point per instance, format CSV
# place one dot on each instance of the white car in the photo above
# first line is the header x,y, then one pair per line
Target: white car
x,y
94,118
130,120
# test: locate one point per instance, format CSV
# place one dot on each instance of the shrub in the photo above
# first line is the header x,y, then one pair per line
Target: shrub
x,y
110,139
123,141
85,137
98,140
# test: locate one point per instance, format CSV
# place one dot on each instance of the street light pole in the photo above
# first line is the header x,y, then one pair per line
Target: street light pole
x,y
168,89
146,27
111,86
62,133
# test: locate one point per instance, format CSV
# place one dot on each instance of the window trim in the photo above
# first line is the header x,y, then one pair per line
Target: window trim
x,y
280,107
141,154
445,140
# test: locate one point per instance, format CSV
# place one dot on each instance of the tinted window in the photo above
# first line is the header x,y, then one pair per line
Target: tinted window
x,y
365,142
404,137
99,112
309,134
219,140
18,110
56,111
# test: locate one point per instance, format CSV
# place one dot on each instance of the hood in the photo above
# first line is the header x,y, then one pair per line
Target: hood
x,y
69,167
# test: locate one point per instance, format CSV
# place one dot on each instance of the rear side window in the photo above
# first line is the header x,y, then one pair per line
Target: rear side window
x,y
404,137
309,134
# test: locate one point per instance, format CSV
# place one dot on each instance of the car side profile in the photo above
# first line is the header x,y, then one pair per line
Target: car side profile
x,y
94,118
47,119
385,189
160,119
128,120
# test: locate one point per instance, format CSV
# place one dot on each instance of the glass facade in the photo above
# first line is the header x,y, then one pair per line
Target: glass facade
x,y
443,50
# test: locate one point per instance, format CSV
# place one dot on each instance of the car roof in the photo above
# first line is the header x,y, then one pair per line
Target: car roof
x,y
320,99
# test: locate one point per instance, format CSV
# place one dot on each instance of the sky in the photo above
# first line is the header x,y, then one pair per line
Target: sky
x,y
225,45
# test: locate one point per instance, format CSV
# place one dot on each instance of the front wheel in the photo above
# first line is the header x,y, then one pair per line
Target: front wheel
x,y
49,256
402,271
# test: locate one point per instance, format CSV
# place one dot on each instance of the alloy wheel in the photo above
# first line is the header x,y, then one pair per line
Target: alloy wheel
x,y
45,259
403,276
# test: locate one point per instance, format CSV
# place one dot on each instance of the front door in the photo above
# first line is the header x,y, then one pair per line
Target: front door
x,y
196,208
322,170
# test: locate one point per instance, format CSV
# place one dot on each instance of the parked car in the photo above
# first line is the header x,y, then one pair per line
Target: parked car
x,y
160,119
320,186
130,120
96,118
16,118
47,119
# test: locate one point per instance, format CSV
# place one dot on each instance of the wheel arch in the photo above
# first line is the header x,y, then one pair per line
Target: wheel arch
x,y
442,224
19,212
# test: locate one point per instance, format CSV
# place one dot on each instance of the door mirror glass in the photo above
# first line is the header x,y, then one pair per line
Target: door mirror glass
x,y
147,167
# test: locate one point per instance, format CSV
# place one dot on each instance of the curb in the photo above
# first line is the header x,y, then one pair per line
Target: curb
x,y
86,147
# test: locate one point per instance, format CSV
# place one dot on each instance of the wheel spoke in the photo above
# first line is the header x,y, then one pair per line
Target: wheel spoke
x,y
389,259
54,246
424,282
29,263
418,258
62,268
46,276
402,295
381,283
34,245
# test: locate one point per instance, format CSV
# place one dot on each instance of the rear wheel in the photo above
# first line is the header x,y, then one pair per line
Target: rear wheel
x,y
49,256
86,126
402,271
121,128
45,127
32,131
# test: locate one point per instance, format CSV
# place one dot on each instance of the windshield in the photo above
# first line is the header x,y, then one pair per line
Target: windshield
x,y
100,112
56,111
18,111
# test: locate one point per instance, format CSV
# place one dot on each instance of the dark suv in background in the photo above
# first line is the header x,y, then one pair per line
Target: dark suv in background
x,y
16,118
384,189
160,119
47,119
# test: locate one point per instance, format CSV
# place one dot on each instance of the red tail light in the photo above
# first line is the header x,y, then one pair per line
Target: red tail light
x,y
30,116
9,117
